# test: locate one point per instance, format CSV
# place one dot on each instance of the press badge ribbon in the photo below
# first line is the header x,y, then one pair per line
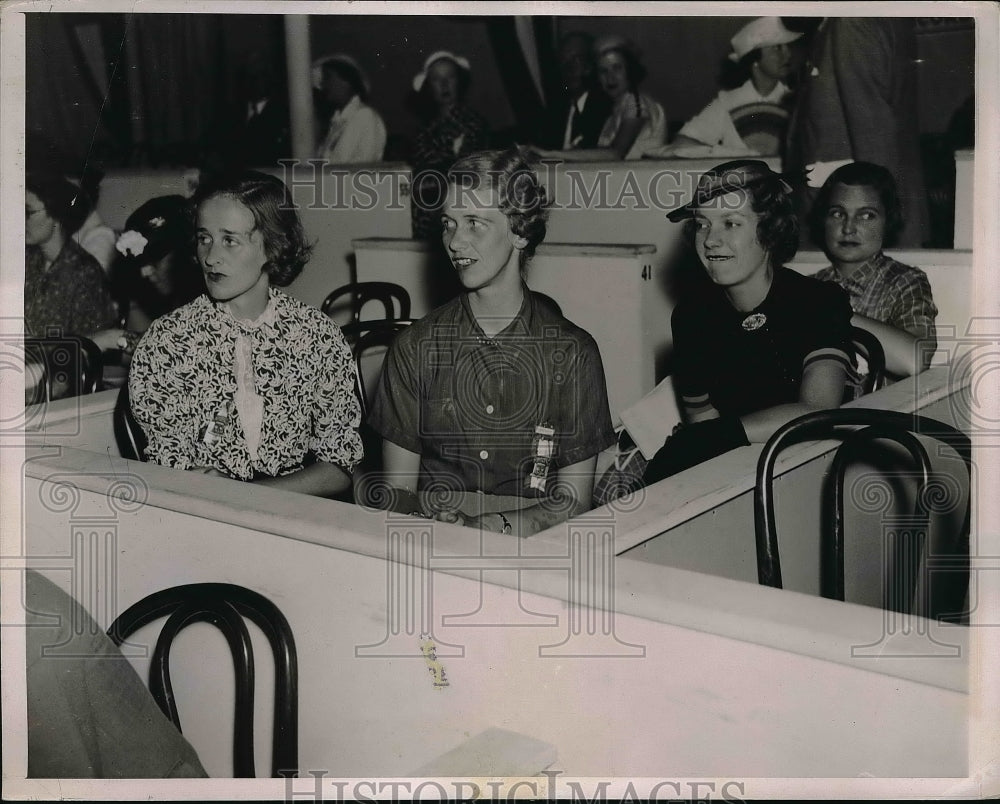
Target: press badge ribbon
x,y
216,429
543,447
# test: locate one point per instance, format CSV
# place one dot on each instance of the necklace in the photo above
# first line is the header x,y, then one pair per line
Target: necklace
x,y
753,321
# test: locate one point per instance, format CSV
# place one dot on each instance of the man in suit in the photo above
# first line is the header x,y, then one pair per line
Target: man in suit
x,y
857,101
575,119
261,131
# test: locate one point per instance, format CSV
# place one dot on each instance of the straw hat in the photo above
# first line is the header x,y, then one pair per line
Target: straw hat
x,y
762,32
339,58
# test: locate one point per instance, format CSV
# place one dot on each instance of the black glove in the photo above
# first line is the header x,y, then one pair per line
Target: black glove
x,y
693,444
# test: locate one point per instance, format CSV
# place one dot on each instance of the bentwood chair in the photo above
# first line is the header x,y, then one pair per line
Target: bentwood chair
x,y
943,591
224,605
353,297
129,436
369,335
71,365
869,347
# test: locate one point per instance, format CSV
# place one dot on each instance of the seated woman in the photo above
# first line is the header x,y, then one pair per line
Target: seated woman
x,y
857,212
637,122
494,393
65,289
356,132
450,130
752,80
96,237
758,345
153,275
246,382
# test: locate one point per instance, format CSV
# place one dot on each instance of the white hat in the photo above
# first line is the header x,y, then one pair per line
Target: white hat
x,y
762,32
461,61
614,42
343,58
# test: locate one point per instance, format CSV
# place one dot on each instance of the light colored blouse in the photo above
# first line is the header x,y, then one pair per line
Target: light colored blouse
x,y
357,134
714,124
630,106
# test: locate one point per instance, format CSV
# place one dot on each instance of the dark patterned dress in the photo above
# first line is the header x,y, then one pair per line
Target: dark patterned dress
x,y
70,297
460,132
250,398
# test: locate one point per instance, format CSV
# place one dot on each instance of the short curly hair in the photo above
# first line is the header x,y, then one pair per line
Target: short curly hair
x,y
274,216
778,225
520,195
859,174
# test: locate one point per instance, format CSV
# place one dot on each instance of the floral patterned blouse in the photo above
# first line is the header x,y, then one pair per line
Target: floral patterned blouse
x,y
195,369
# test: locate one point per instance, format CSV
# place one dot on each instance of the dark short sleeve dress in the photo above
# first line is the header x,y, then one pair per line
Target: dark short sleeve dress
x,y
737,369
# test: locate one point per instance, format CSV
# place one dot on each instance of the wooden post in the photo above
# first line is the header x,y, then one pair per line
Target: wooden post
x,y
300,101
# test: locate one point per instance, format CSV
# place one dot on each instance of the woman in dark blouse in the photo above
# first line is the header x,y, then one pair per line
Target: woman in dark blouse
x,y
761,344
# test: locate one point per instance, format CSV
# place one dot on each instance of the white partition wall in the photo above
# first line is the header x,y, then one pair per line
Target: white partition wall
x,y
650,671
609,290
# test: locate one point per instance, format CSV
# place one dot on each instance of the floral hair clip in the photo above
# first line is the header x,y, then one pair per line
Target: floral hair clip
x,y
131,243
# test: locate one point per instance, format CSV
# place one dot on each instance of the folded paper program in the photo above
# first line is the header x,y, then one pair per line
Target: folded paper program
x,y
650,420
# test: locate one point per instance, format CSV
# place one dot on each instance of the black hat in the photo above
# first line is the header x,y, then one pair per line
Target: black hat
x,y
154,230
739,174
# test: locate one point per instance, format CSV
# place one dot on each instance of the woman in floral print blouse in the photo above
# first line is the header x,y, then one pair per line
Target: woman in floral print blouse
x,y
247,382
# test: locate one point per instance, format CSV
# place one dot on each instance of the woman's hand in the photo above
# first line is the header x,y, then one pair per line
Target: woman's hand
x,y
107,339
454,517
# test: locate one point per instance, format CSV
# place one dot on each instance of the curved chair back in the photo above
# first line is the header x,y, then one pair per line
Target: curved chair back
x,y
870,348
877,424
366,335
393,298
129,436
71,365
224,605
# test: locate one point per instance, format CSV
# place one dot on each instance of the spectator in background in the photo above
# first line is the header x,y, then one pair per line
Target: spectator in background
x,y
450,130
156,271
356,132
94,234
856,213
575,119
65,288
44,158
857,101
637,123
752,78
261,134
